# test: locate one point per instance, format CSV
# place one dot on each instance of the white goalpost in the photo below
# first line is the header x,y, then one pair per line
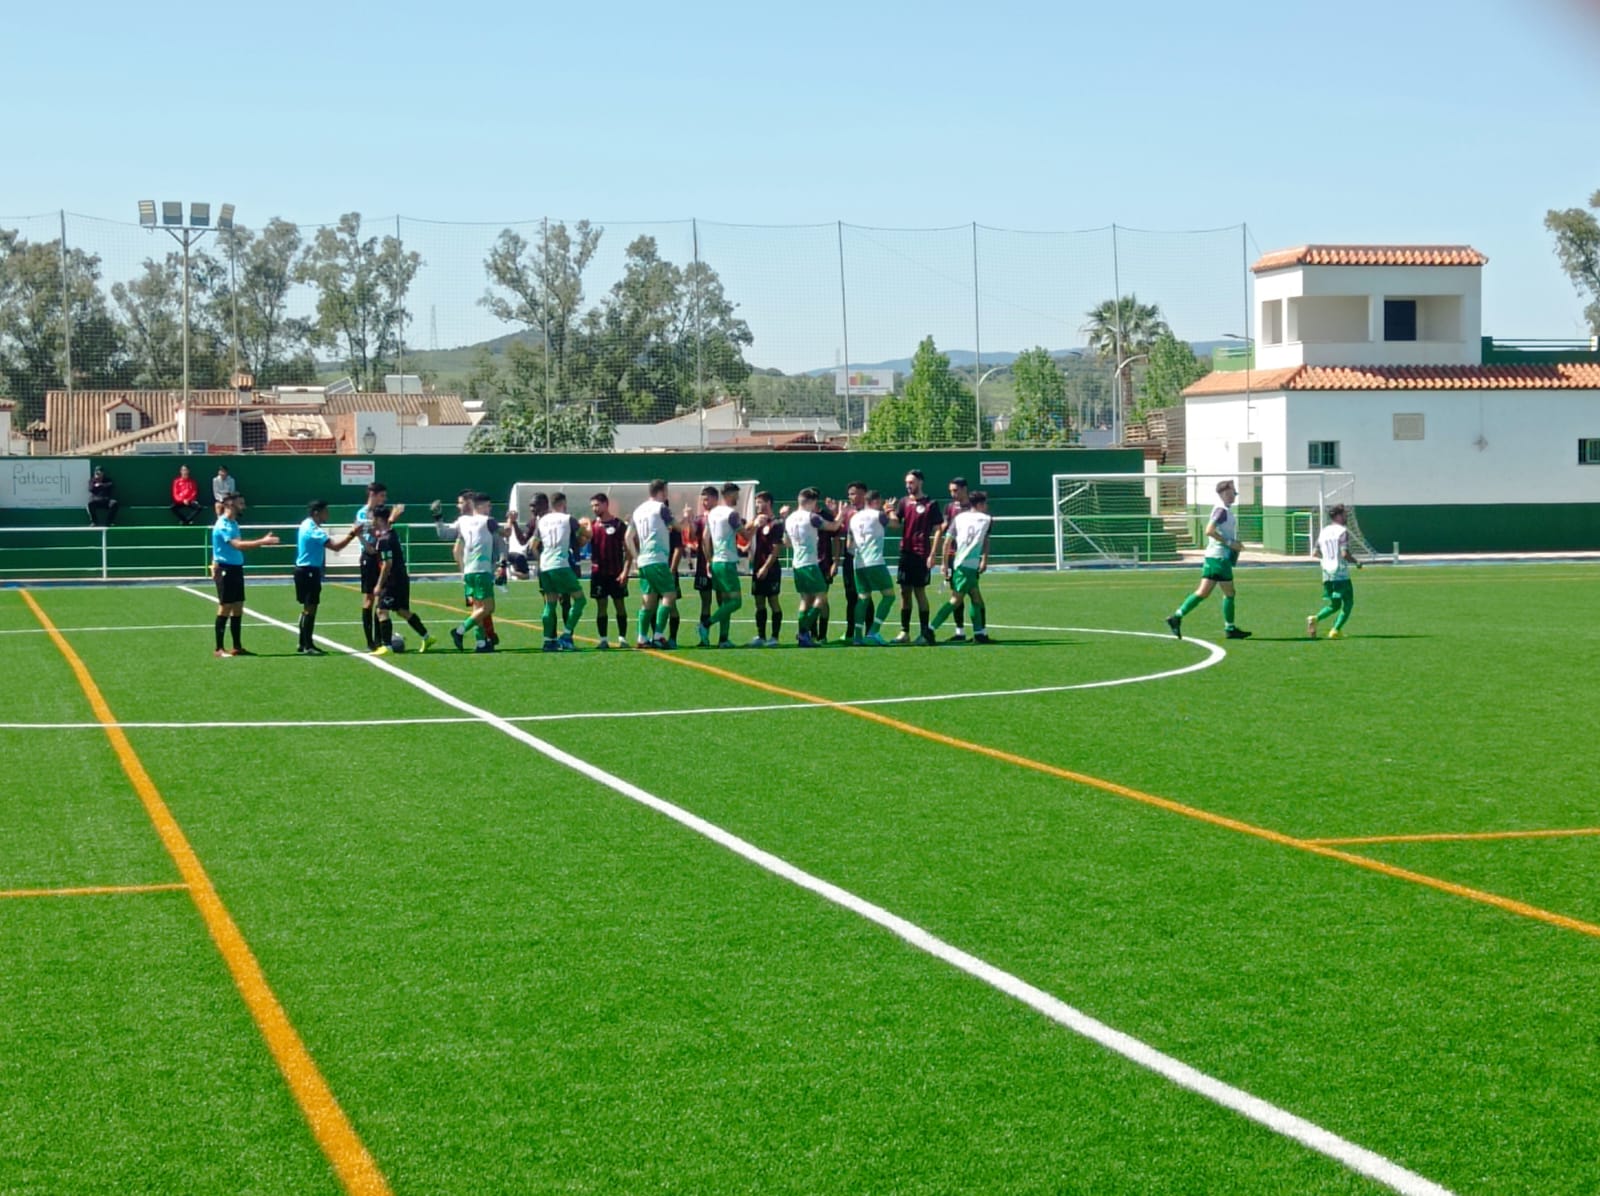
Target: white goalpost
x,y
1140,518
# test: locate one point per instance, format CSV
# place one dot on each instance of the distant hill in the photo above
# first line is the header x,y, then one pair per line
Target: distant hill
x,y
452,366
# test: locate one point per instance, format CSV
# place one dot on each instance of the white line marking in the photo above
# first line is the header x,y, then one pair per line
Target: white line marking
x,y
156,627
1281,1121
1214,654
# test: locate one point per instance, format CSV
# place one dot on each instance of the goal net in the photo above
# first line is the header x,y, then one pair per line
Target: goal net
x,y
1131,519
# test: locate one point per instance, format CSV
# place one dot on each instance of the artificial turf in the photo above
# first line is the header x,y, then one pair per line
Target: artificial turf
x,y
515,979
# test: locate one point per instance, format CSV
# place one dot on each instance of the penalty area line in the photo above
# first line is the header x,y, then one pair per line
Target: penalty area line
x,y
1323,1141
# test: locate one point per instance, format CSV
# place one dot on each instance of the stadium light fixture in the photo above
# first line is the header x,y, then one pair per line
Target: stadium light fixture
x,y
186,234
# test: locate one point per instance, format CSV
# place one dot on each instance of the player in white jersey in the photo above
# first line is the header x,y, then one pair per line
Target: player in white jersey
x,y
872,573
479,537
1338,595
1216,569
802,529
720,546
556,537
968,560
650,537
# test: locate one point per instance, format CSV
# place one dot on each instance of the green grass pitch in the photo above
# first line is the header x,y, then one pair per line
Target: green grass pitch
x,y
515,979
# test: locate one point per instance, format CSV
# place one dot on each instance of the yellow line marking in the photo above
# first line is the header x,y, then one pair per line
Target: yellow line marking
x,y
1310,846
1459,837
92,890
353,1165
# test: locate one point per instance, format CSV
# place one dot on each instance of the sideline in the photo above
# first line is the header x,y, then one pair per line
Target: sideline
x,y
353,1165
1325,1142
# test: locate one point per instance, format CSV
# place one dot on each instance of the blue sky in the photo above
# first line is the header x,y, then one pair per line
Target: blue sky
x,y
1364,121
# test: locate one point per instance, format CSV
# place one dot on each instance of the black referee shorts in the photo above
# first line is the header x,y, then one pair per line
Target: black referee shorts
x,y
307,585
230,585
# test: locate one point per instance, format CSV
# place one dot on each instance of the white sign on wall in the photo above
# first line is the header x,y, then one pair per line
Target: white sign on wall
x,y
994,473
357,473
863,382
45,483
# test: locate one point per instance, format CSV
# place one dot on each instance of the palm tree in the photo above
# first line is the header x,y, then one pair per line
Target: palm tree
x,y
1122,328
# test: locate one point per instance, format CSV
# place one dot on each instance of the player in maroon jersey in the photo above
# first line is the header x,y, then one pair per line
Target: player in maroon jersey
x,y
944,550
766,570
917,516
611,558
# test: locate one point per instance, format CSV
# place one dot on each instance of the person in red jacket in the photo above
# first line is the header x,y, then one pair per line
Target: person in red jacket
x,y
185,497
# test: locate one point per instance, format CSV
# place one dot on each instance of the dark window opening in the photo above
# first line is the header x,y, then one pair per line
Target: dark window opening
x,y
1399,319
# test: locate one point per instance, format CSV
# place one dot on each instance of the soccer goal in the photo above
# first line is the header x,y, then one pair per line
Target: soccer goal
x,y
1131,519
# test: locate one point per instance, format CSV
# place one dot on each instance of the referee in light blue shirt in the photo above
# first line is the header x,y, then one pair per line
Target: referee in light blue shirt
x,y
227,569
310,559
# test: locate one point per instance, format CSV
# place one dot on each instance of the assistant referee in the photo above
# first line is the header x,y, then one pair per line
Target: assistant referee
x,y
227,569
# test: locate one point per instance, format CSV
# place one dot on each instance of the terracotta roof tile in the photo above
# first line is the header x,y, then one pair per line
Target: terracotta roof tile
x,y
1370,255
78,421
1227,382
1565,376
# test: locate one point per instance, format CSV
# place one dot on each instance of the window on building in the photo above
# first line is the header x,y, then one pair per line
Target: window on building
x,y
1322,454
1272,322
1399,319
255,436
1589,451
1409,425
124,421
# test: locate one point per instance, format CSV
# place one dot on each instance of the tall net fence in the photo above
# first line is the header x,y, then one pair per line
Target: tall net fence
x,y
569,328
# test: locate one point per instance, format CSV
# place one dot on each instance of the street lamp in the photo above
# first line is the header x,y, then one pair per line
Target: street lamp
x,y
977,403
186,234
1118,420
369,442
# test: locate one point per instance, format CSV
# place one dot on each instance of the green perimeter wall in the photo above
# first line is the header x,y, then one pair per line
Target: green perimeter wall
x,y
1507,527
146,541
1501,527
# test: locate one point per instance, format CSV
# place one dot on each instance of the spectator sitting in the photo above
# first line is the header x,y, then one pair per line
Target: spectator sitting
x,y
102,499
185,496
222,486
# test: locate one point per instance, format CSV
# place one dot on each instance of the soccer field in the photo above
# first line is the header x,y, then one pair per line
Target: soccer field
x,y
1091,909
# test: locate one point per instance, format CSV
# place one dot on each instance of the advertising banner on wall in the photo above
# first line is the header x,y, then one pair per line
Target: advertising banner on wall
x,y
357,473
52,484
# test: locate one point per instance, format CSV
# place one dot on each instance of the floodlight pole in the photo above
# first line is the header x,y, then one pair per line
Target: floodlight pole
x,y
1119,419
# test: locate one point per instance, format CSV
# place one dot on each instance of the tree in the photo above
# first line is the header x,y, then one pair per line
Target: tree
x,y
772,392
664,340
1172,366
272,343
545,282
522,416
935,409
151,308
361,294
1119,329
1039,416
1577,234
33,347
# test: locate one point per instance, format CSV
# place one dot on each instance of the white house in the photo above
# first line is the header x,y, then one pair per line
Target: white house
x,y
1370,359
